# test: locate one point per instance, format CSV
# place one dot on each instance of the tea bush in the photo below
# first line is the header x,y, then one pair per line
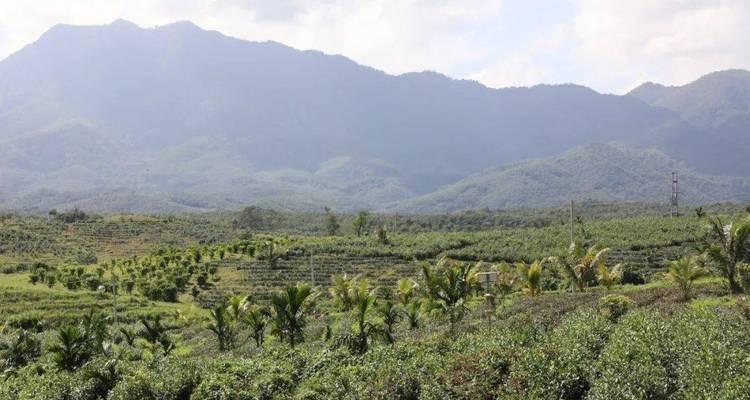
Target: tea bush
x,y
636,363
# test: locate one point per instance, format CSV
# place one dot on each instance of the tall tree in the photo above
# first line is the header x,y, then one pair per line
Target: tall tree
x,y
222,326
363,304
72,349
448,285
257,319
290,309
156,334
607,277
580,264
727,247
331,223
531,277
360,222
342,290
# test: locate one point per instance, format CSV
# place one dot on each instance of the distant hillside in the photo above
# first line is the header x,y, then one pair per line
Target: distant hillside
x,y
595,172
123,118
718,104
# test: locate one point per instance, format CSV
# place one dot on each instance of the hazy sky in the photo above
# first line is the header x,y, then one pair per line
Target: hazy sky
x,y
609,45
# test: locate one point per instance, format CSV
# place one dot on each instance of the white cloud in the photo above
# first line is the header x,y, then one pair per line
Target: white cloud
x,y
674,42
527,64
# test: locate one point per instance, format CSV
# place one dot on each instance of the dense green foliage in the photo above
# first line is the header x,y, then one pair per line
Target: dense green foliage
x,y
696,354
544,327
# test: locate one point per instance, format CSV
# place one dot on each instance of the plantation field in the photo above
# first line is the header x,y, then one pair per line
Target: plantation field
x,y
195,307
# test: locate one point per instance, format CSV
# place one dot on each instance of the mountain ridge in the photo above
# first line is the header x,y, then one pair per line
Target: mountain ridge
x,y
180,111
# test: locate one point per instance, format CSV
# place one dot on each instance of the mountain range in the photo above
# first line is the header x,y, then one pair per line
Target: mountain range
x,y
177,118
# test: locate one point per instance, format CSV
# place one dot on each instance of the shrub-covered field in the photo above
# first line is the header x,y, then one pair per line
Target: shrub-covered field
x,y
693,352
638,308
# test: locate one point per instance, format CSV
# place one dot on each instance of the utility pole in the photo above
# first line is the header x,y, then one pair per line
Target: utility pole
x,y
312,269
572,228
675,200
114,297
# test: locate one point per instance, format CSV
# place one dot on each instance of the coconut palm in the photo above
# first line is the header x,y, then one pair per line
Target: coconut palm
x,y
290,309
341,290
155,333
413,314
236,304
101,381
72,349
406,290
607,277
700,212
448,285
727,247
222,326
531,277
580,264
363,304
389,313
257,319
683,272
505,282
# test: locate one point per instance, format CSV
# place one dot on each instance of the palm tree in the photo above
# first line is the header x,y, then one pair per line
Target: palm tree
x,y
341,290
580,265
531,277
728,246
448,286
360,222
413,313
364,302
72,349
331,223
390,315
406,290
155,334
236,305
129,334
608,277
272,252
18,351
102,381
506,280
699,212
290,308
683,272
94,327
222,326
257,319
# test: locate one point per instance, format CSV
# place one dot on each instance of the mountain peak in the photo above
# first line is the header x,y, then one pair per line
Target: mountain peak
x,y
183,25
123,23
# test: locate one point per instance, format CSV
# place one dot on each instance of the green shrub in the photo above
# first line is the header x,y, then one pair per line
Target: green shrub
x,y
560,366
712,349
613,306
92,281
85,257
49,386
137,385
635,363
168,379
630,277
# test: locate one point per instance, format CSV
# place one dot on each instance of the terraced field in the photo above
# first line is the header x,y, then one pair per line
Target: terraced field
x,y
642,244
